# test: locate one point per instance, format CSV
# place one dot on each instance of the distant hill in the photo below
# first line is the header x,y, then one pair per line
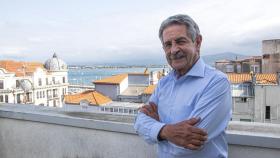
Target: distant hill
x,y
210,59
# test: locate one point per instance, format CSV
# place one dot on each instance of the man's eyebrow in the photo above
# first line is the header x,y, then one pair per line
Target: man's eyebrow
x,y
177,39
180,38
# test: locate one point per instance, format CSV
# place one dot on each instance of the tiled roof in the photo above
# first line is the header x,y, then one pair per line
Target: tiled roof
x,y
260,78
116,79
19,67
93,97
150,89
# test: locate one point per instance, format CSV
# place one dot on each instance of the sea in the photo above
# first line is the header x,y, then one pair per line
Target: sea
x,y
87,76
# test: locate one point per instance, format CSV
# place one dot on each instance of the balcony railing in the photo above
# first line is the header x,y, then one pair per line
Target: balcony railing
x,y
32,131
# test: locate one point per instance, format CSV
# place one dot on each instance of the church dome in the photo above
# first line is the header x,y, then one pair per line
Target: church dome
x,y
55,64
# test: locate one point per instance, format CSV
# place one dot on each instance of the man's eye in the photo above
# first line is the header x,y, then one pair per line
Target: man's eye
x,y
181,42
167,45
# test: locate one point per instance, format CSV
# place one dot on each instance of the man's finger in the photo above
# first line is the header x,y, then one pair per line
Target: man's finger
x,y
193,121
145,111
154,107
197,142
198,137
199,131
192,147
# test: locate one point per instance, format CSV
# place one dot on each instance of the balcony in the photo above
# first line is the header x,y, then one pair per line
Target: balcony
x,y
28,131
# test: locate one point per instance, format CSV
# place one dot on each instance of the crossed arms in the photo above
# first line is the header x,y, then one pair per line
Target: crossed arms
x,y
208,119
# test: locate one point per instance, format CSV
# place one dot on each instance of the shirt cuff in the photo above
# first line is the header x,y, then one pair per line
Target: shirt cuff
x,y
155,130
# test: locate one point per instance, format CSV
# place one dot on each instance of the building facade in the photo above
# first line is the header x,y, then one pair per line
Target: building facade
x,y
252,64
271,56
34,83
255,97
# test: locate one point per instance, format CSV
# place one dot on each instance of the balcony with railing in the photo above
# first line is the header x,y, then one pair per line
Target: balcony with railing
x,y
28,131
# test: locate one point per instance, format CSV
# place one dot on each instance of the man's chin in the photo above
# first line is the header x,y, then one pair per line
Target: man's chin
x,y
178,67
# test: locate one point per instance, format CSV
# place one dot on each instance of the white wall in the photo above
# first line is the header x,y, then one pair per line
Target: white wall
x,y
111,91
123,85
29,133
135,79
267,96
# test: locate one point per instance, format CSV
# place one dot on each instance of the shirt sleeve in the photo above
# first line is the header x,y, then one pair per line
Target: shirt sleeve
x,y
214,108
147,127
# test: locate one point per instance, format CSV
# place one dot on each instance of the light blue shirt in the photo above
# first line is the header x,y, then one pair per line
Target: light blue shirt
x,y
202,92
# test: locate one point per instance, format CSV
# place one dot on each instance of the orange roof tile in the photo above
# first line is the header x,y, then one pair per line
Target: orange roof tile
x,y
260,78
116,79
150,89
19,67
93,97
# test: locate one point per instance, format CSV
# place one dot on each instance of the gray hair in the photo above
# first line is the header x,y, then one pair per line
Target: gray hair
x,y
180,19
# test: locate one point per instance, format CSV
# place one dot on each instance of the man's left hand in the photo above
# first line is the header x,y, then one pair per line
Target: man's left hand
x,y
150,110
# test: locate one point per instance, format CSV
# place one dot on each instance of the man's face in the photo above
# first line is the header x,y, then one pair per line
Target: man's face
x,y
181,52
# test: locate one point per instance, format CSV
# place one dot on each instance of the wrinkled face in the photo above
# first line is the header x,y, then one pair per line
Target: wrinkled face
x,y
181,52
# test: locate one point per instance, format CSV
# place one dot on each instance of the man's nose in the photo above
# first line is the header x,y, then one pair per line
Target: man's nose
x,y
174,48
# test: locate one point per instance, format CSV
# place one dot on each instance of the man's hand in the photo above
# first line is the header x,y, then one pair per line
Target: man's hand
x,y
184,134
150,110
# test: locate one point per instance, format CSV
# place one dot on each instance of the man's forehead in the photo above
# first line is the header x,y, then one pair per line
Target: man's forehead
x,y
174,32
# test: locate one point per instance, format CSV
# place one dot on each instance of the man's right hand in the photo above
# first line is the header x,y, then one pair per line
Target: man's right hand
x,y
184,134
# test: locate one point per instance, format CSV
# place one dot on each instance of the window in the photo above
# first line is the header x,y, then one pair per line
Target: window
x,y
47,81
238,67
121,110
40,82
63,79
229,68
246,120
267,112
115,109
102,109
17,84
43,94
1,99
6,99
54,103
55,93
28,97
37,95
244,100
1,84
255,68
18,98
53,80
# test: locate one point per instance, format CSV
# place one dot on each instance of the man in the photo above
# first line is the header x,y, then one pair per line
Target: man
x,y
189,110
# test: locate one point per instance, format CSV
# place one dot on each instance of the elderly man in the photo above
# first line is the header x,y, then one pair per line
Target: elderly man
x,y
189,110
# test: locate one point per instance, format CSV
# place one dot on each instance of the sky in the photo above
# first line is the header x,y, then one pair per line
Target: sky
x,y
126,31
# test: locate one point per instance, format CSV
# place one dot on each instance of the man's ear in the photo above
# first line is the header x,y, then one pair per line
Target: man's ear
x,y
198,42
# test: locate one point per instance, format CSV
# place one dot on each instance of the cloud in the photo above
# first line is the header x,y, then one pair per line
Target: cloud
x,y
120,31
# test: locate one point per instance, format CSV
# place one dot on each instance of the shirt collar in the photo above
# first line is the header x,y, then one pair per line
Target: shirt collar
x,y
197,70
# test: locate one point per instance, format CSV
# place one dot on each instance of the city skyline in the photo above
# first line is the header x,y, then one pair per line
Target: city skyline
x,y
125,31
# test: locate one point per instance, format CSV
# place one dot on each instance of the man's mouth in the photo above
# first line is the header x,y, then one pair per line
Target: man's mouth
x,y
176,56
